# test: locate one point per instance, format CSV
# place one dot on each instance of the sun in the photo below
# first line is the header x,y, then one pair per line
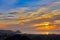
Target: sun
x,y
46,24
46,33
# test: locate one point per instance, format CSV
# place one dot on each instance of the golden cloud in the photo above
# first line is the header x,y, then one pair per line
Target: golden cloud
x,y
28,19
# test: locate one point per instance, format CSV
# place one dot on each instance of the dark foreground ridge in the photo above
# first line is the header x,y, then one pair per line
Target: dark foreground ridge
x,y
33,37
11,35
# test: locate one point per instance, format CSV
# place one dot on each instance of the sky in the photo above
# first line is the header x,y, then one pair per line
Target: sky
x,y
30,16
6,5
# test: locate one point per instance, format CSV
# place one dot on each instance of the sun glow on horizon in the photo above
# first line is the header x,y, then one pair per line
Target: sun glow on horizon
x,y
46,33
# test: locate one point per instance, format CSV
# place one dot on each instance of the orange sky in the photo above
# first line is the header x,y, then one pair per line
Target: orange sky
x,y
33,21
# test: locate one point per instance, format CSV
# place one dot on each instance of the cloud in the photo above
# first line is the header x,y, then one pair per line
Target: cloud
x,y
28,23
42,18
36,13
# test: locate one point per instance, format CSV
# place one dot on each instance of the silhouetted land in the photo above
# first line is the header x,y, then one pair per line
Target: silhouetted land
x,y
33,37
11,35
